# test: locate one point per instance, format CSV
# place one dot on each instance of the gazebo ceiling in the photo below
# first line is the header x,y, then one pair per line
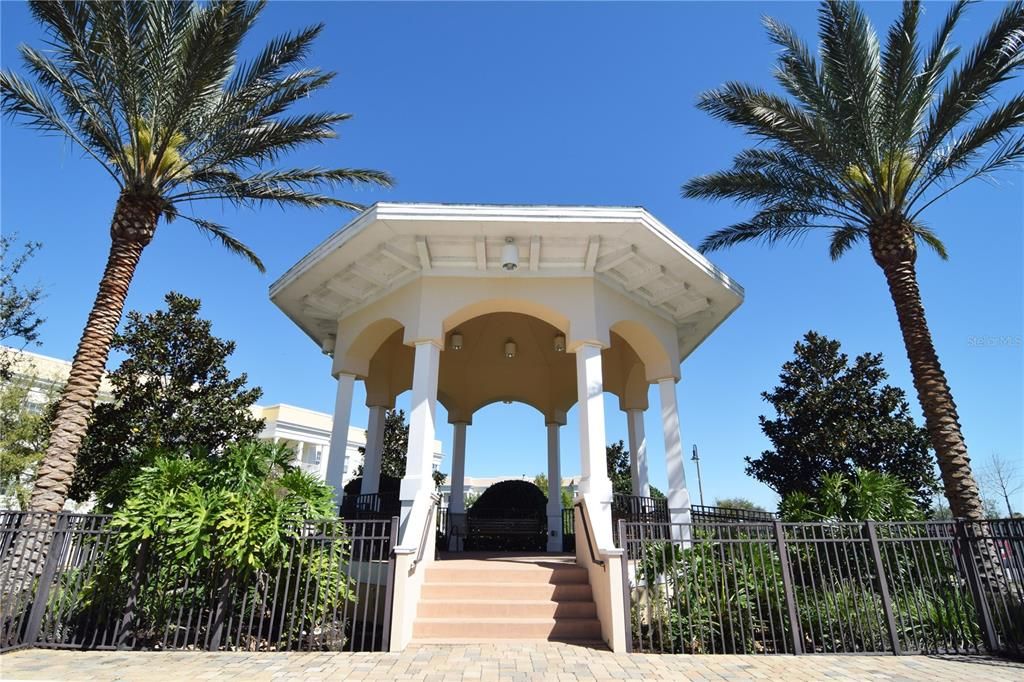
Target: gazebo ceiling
x,y
390,245
538,374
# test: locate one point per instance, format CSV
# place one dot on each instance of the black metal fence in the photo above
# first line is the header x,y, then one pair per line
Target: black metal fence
x,y
764,588
370,506
331,591
700,513
568,530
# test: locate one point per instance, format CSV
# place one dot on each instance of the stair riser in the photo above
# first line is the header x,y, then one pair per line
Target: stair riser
x,y
560,593
564,629
568,576
511,609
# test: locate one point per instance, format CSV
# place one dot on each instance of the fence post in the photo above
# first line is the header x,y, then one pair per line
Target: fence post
x,y
221,608
883,588
129,622
54,552
787,587
988,630
389,589
627,602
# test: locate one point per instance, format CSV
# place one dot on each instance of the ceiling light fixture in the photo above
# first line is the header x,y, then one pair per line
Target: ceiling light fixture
x,y
510,349
456,341
560,343
509,255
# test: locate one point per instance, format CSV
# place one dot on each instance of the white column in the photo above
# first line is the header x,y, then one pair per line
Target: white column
x,y
595,485
457,498
678,495
638,452
335,472
418,484
554,488
374,449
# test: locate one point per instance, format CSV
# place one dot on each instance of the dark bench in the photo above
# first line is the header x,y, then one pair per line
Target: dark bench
x,y
504,533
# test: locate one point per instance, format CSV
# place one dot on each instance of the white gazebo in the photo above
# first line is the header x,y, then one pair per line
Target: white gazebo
x,y
468,305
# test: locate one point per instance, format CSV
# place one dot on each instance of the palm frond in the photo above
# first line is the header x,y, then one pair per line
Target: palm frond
x,y
899,115
929,238
851,67
995,58
769,117
781,222
223,235
19,99
798,72
154,91
283,187
1001,122
280,53
843,239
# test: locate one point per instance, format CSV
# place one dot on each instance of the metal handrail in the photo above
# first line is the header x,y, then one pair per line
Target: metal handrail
x,y
435,501
586,532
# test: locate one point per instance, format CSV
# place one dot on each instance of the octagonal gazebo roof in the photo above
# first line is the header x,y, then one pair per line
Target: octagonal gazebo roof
x,y
390,245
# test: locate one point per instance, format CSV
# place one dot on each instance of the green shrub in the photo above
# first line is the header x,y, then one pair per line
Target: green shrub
x,y
223,535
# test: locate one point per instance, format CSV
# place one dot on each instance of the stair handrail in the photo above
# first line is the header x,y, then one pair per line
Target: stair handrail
x,y
586,531
435,501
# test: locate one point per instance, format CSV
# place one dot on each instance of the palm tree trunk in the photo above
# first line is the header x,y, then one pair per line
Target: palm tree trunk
x,y
896,254
131,230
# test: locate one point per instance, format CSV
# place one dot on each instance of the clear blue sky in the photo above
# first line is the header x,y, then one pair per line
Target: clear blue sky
x,y
562,104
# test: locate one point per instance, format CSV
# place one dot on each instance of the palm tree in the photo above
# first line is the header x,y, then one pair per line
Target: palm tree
x,y
155,94
863,141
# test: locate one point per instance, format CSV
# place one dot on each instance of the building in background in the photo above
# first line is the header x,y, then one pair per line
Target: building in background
x,y
308,434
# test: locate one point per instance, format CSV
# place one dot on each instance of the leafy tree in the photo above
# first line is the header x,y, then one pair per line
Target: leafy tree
x,y
620,473
395,448
156,94
18,318
860,144
173,391
833,416
865,495
541,481
23,433
439,478
738,503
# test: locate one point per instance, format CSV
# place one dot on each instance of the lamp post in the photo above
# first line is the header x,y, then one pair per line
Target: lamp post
x,y
700,486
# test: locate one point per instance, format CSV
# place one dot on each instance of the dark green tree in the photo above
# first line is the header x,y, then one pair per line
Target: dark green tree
x,y
620,473
858,145
833,416
18,317
395,448
173,392
738,503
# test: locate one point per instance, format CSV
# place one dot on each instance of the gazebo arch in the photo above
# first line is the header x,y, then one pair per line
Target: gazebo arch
x,y
580,300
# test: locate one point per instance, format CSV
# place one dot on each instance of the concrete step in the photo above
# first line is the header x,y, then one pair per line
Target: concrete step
x,y
510,606
448,629
446,572
529,591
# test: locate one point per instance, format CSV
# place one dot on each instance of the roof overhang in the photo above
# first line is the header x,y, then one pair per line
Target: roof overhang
x,y
390,245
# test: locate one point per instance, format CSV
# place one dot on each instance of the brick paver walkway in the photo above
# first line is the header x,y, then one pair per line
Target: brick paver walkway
x,y
513,662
